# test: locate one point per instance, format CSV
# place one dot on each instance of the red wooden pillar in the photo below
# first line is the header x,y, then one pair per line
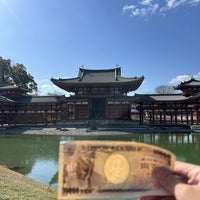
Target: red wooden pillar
x,y
164,113
150,116
45,114
75,110
197,112
4,116
160,117
37,114
192,120
181,116
51,113
171,117
56,115
175,113
153,113
197,116
187,117
121,110
8,115
24,114
141,114
15,115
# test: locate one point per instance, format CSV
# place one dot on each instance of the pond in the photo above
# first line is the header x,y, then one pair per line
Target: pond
x,y
36,156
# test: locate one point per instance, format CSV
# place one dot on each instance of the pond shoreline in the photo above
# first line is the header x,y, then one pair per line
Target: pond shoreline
x,y
81,131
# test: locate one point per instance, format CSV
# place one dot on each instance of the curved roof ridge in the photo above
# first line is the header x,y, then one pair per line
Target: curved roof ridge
x,y
132,77
98,70
63,79
99,78
189,81
104,69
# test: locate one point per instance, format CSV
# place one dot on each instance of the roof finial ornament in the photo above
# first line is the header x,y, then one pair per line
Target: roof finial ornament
x,y
117,66
81,72
117,72
192,78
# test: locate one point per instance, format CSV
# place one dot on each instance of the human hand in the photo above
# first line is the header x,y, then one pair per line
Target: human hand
x,y
184,187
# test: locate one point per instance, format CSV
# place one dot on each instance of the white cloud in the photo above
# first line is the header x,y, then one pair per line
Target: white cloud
x,y
156,7
144,10
173,3
46,87
197,76
182,78
195,1
128,8
145,2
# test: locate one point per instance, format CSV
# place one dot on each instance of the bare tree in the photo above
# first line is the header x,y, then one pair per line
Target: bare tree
x,y
164,89
55,93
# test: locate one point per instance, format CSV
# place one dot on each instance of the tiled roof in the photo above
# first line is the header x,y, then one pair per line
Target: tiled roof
x,y
5,99
12,87
192,82
39,99
90,78
160,97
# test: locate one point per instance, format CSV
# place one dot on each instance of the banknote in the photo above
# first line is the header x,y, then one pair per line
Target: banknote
x,y
105,169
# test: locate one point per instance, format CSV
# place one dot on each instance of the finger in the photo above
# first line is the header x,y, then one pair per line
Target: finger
x,y
183,169
190,172
168,181
175,186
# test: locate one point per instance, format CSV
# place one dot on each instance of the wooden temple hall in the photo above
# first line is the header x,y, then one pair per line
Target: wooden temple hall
x,y
101,95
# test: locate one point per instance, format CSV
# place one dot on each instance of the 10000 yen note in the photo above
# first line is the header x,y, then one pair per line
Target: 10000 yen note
x,y
103,169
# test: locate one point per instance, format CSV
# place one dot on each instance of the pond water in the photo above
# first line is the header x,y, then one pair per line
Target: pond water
x,y
36,156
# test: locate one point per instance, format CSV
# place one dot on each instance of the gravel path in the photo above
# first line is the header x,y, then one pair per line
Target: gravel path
x,y
90,131
75,132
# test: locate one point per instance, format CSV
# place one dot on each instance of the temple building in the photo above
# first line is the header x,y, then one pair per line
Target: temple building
x,y
100,95
181,108
189,88
99,83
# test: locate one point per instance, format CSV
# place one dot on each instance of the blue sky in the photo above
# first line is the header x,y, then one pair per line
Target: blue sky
x,y
159,39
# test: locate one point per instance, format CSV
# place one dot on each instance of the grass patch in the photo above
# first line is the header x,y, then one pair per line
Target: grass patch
x,y
15,186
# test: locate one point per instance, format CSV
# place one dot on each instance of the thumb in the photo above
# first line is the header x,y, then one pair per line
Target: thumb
x,y
172,184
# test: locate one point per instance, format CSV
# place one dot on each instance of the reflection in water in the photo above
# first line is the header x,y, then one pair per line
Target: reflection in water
x,y
34,156
43,171
37,156
184,146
